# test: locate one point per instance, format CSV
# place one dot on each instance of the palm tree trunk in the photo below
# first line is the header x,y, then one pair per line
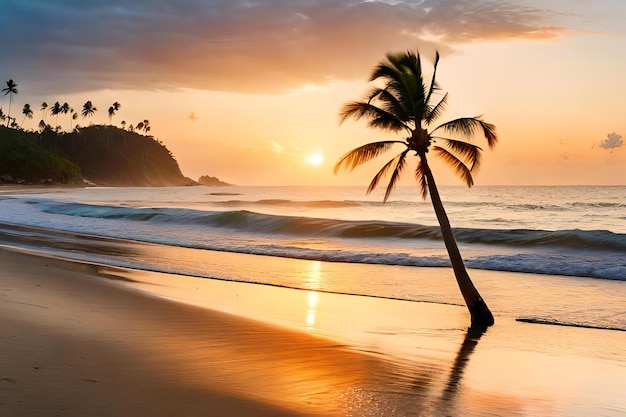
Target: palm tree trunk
x,y
481,316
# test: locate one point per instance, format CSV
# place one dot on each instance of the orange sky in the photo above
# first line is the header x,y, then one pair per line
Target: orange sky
x,y
246,91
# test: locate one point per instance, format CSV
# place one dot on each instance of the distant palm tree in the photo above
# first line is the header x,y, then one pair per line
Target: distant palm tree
x,y
55,110
407,104
88,109
67,109
10,89
2,115
146,125
123,123
27,112
115,107
74,117
139,126
44,106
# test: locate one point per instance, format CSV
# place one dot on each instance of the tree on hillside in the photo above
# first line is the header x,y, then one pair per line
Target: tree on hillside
x,y
55,110
27,112
115,107
67,109
145,126
2,116
10,89
406,103
74,117
88,109
44,106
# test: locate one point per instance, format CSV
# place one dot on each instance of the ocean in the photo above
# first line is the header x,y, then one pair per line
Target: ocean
x,y
560,251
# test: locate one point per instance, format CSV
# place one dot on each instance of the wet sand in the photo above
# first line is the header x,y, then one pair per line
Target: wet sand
x,y
87,340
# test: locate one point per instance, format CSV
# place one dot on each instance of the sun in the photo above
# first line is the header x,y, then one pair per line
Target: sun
x,y
315,159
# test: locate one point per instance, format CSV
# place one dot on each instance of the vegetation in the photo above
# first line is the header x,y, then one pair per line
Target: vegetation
x,y
111,156
24,160
105,154
406,103
10,89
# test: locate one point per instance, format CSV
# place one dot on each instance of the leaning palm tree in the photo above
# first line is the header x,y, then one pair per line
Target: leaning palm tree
x,y
10,89
88,109
27,112
406,103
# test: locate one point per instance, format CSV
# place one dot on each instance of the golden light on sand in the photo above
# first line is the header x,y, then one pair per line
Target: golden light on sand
x,y
315,159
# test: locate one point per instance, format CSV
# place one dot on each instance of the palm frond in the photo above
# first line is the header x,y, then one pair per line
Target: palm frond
x,y
379,118
393,105
387,70
420,177
362,154
433,81
402,74
435,112
374,92
467,127
461,169
395,175
382,173
470,153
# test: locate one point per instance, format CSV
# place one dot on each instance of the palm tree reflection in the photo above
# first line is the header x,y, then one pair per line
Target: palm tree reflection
x,y
447,401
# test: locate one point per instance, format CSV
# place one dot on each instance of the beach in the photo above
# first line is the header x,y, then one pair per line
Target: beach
x,y
87,339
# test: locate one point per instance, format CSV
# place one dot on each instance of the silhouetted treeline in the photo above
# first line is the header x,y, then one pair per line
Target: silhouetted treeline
x,y
24,160
103,155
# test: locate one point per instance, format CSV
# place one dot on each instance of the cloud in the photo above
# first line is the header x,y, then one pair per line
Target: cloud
x,y
288,149
612,141
252,46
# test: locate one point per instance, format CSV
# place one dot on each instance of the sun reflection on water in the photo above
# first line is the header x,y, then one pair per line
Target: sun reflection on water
x,y
313,282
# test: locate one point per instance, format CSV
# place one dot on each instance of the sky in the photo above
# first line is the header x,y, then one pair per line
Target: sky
x,y
250,91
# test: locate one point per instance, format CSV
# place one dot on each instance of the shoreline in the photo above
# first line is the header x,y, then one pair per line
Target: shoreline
x,y
83,339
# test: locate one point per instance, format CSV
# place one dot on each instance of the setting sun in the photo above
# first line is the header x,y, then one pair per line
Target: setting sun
x,y
315,159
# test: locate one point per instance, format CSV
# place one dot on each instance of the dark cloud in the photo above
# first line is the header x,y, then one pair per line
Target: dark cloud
x,y
235,45
612,141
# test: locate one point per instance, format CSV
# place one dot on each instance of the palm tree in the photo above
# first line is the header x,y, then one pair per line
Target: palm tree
x,y
44,106
10,89
88,109
407,104
74,117
66,109
115,107
2,116
55,110
27,112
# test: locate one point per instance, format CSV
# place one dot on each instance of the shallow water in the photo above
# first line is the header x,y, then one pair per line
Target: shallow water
x,y
334,239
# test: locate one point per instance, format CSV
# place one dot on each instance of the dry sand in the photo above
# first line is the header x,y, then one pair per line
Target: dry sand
x,y
86,340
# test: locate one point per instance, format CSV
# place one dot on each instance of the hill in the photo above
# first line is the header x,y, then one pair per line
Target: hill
x,y
111,156
24,160
102,155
